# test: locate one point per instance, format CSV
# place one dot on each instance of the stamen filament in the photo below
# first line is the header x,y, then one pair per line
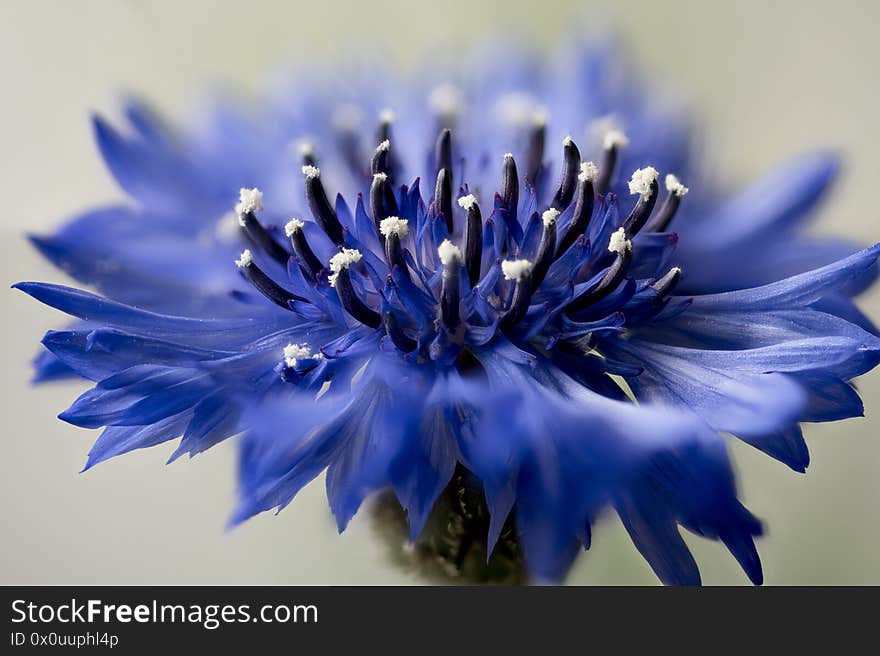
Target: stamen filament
x,y
294,230
571,158
473,248
263,283
510,185
443,197
583,209
322,211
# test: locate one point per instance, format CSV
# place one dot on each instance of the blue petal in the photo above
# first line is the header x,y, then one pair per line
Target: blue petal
x,y
728,389
786,445
779,200
117,440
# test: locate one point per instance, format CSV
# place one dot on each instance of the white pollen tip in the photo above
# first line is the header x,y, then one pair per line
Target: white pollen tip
x,y
380,177
567,141
245,259
385,145
642,179
311,171
387,116
614,138
292,226
445,100
394,226
448,253
295,352
508,156
618,242
676,271
305,148
589,171
539,118
249,200
549,217
674,186
467,202
342,260
516,269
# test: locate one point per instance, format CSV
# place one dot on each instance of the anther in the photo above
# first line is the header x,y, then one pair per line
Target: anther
x,y
667,211
443,197
263,283
250,201
535,153
381,160
666,285
393,229
612,142
382,201
443,150
322,211
473,245
509,185
294,230
340,279
620,246
643,183
571,158
547,247
521,272
450,294
583,208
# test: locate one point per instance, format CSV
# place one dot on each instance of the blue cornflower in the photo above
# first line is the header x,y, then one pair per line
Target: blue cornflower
x,y
528,338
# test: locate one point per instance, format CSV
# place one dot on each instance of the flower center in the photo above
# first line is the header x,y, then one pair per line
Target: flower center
x,y
436,284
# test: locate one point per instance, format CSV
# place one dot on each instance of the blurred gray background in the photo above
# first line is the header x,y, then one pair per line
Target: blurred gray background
x,y
770,80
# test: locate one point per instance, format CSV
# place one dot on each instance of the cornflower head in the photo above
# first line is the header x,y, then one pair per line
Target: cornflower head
x,y
501,337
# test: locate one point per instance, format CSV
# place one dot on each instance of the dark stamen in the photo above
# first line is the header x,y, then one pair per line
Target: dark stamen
x,y
263,283
394,252
614,140
546,249
260,237
443,197
667,284
535,156
519,305
322,211
641,212
473,248
570,169
294,230
583,211
350,146
381,160
443,150
450,295
382,201
398,338
352,303
509,185
612,278
667,211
